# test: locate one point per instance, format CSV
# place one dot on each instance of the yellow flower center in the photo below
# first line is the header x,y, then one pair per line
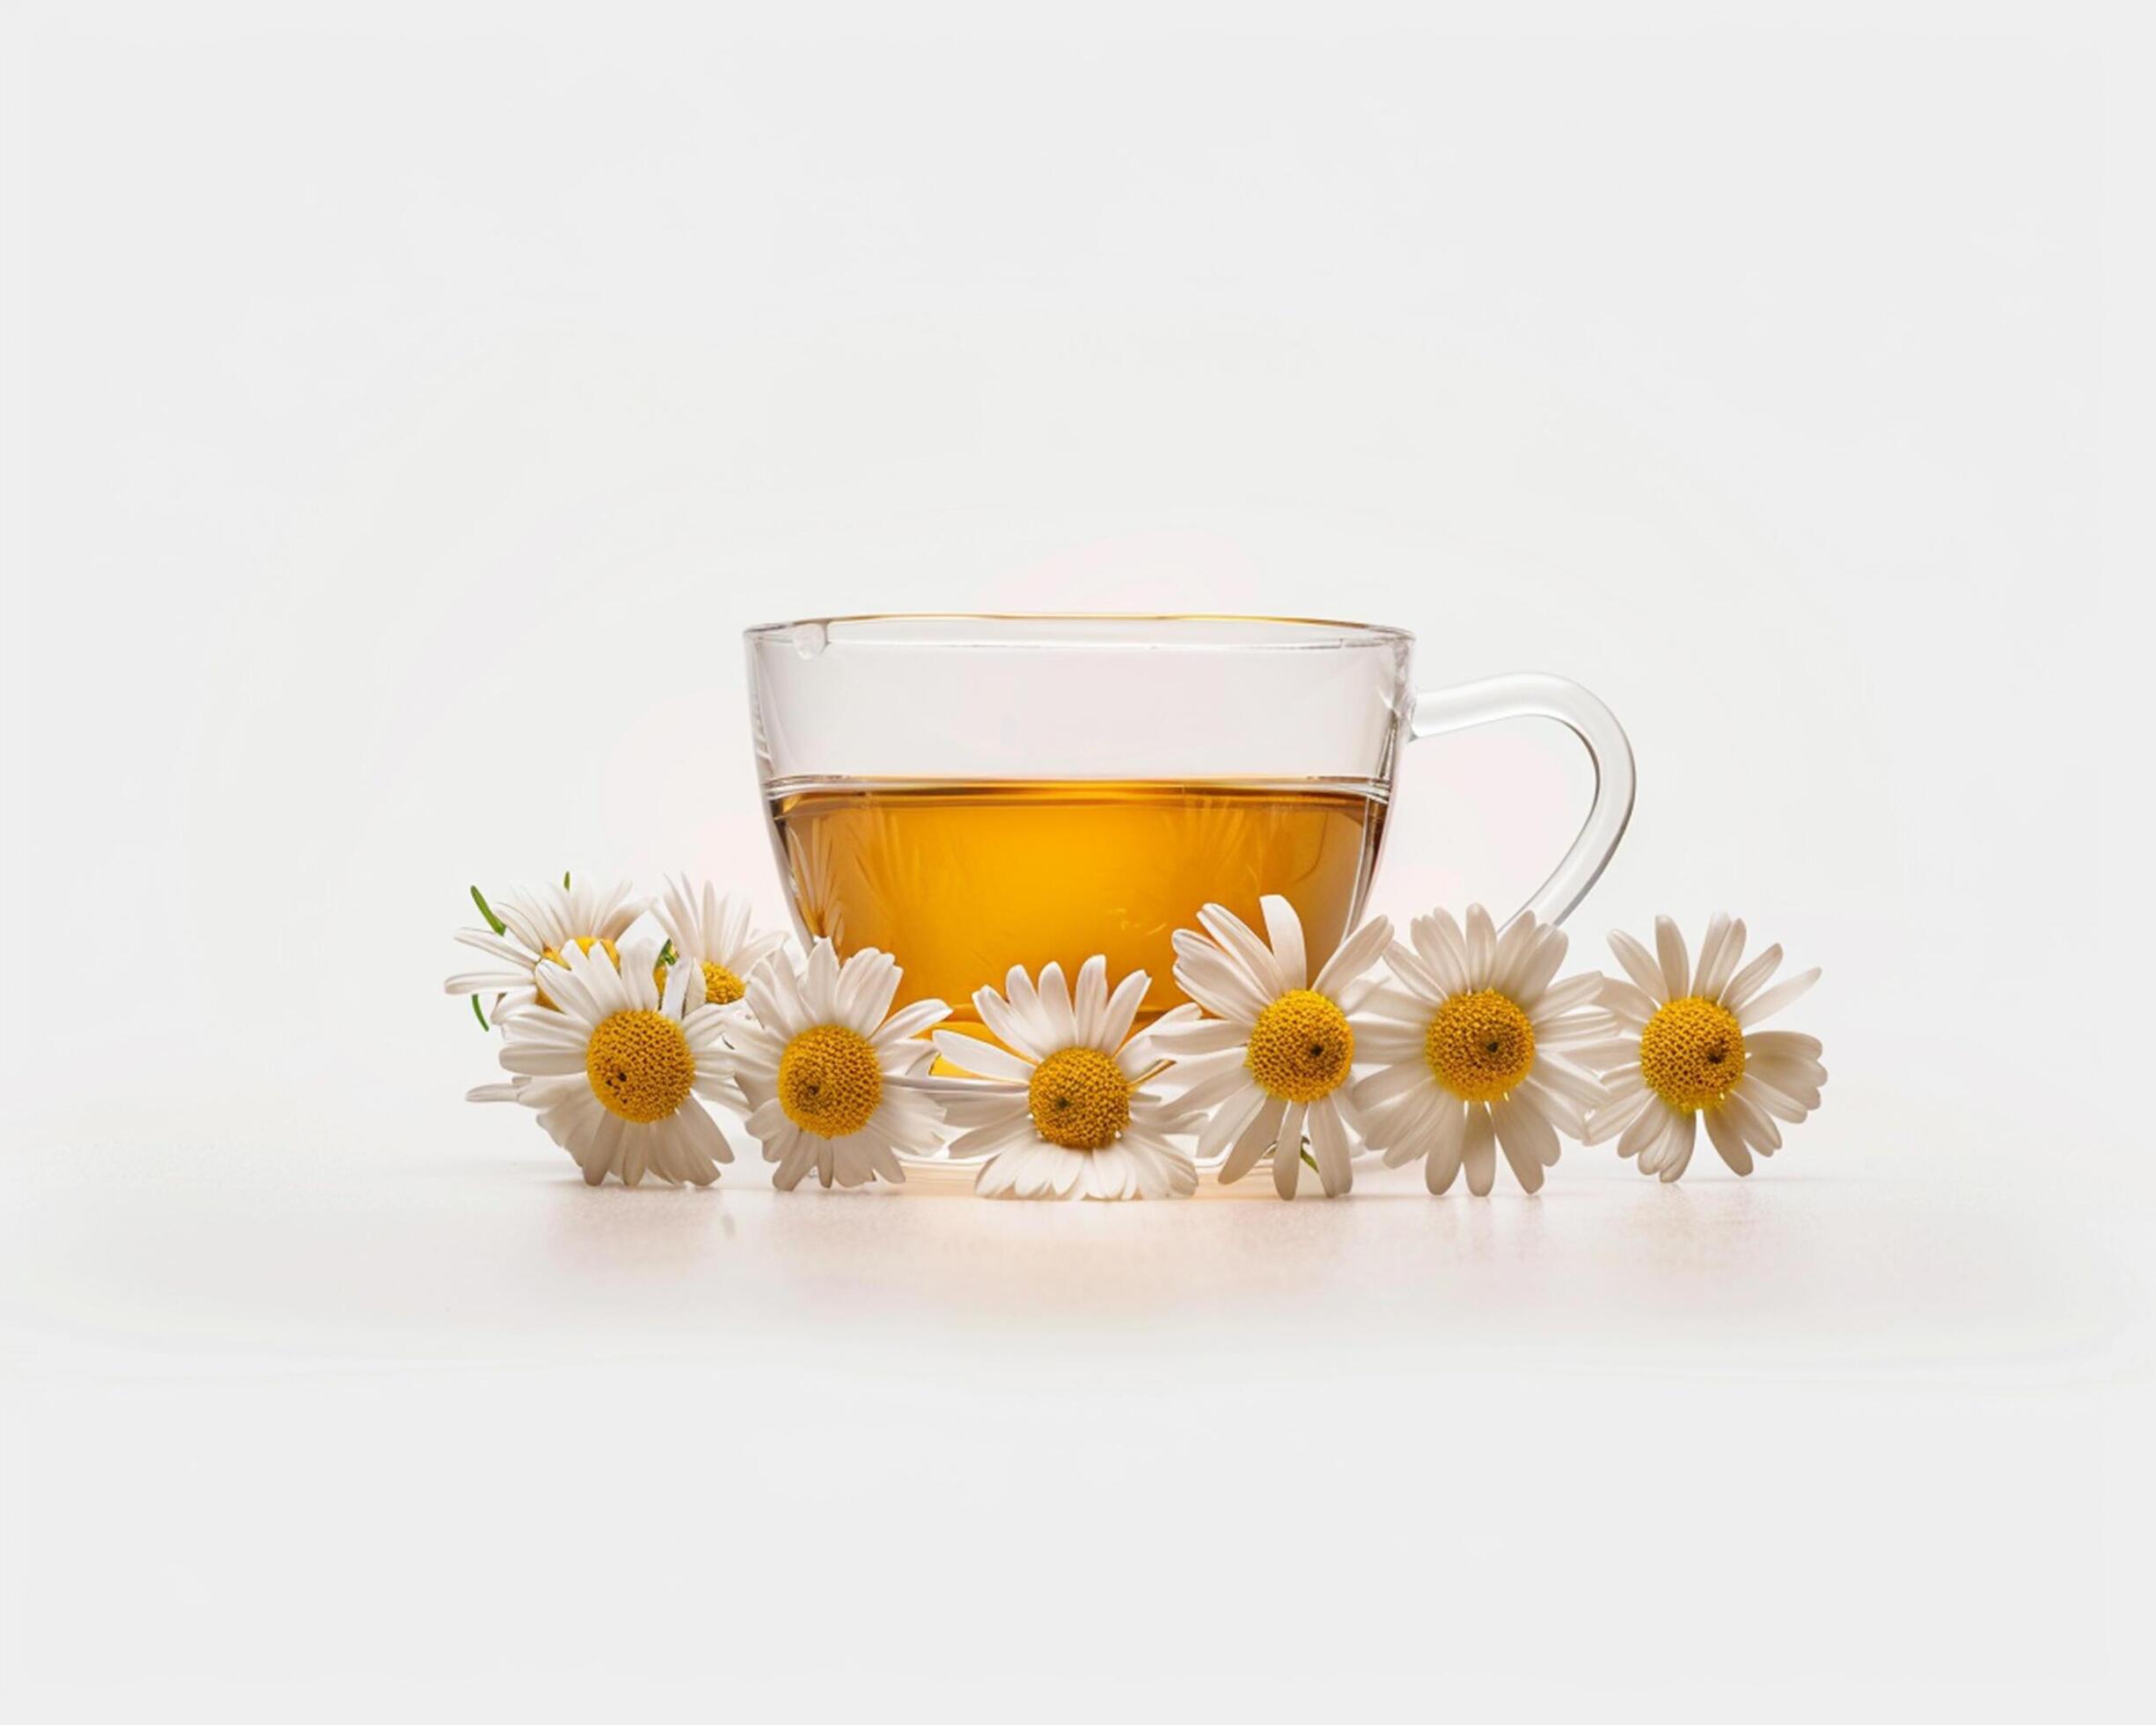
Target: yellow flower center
x,y
582,944
721,987
1302,1047
640,1066
1080,1099
1480,1045
829,1080
1692,1053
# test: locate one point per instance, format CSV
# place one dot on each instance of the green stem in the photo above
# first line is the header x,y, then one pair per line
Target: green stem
x,y
487,911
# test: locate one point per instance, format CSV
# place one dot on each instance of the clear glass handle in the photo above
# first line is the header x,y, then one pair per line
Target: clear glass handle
x,y
1530,695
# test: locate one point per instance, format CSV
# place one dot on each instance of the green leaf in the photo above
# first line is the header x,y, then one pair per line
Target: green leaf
x,y
487,911
668,955
480,1013
565,880
1311,1160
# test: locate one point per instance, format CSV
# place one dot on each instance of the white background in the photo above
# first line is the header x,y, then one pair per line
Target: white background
x,y
406,406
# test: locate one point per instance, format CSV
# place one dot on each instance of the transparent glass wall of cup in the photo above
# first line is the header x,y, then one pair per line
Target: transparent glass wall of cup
x,y
968,793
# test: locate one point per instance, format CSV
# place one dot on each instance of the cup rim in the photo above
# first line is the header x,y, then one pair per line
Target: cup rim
x,y
1331,632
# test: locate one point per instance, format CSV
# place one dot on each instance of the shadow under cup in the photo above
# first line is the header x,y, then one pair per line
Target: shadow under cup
x,y
971,793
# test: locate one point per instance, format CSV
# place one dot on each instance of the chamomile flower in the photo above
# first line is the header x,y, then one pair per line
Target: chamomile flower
x,y
712,939
1068,1118
616,1069
1274,1061
534,925
1687,1048
815,1059
1470,1051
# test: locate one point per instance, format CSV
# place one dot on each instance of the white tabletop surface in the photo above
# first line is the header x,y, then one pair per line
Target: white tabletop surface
x,y
431,1417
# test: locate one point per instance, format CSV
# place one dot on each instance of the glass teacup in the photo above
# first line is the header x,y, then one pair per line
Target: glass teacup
x,y
968,793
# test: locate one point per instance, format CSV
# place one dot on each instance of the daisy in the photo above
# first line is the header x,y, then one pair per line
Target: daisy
x,y
1687,1048
1467,1051
533,927
816,1060
712,939
615,1069
1080,1127
1275,1059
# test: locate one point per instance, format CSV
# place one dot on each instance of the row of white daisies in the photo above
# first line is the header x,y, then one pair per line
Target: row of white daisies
x,y
1464,1047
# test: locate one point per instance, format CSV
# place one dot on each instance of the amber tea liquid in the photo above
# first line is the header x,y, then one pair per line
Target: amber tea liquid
x,y
959,881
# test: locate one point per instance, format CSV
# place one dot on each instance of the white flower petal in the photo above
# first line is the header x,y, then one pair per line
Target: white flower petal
x,y
1677,1155
1748,981
1523,1130
1192,1037
1759,1132
1439,945
1243,948
1607,1123
1478,1154
1121,1011
1379,1042
1792,1074
1447,1145
1405,1124
1089,1002
1648,1128
1766,1006
1675,964
1558,999
539,1060
1626,1002
1391,1082
1769,1100
1515,943
1777,1045
1564,1115
1639,965
1481,946
1531,980
1715,978
1778,1094
1710,952
1561,1075
1575,1028
1728,1141
1231,1079
1215,982
982,1058
1283,929
1519,1134
1330,1146
819,983
1357,952
1610,1056
906,1025
1255,1140
1423,990
1057,1012
1227,1123
868,984
1287,1151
